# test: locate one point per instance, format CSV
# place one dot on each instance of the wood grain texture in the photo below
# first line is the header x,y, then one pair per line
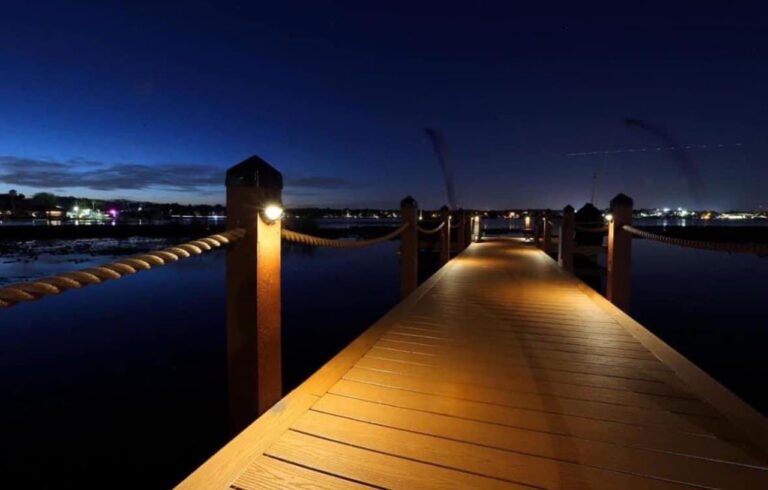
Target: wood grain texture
x,y
471,458
608,456
500,372
272,474
378,469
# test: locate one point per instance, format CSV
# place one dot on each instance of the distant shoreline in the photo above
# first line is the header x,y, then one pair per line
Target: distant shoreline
x,y
748,231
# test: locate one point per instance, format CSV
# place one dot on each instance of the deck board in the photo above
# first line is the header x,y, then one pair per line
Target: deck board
x,y
500,372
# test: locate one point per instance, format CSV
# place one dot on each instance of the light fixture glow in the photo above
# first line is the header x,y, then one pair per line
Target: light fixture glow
x,y
273,212
609,217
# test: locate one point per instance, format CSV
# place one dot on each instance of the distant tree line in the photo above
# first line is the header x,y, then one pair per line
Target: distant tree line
x,y
14,204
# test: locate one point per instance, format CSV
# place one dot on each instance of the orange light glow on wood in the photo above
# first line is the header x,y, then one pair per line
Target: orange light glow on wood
x,y
253,293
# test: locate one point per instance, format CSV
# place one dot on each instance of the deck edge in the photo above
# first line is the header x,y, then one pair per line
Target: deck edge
x,y
224,467
746,420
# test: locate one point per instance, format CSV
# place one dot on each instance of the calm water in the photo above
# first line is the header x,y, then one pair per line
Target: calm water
x,y
129,377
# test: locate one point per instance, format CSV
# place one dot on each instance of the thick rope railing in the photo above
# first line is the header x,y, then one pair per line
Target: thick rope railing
x,y
296,237
730,247
39,288
433,230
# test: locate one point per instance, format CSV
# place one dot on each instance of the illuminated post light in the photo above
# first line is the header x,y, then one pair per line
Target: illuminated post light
x,y
273,213
254,202
476,229
609,217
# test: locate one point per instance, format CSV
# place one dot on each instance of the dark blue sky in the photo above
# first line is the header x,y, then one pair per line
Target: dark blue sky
x,y
155,101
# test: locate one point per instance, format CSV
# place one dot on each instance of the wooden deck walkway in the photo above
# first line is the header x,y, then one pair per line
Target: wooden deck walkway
x,y
501,371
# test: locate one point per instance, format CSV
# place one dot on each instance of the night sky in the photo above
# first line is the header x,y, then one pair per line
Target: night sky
x,y
155,101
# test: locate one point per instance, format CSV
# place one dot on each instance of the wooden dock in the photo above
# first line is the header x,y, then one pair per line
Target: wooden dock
x,y
501,371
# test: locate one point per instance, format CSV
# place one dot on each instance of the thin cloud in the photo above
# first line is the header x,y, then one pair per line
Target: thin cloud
x,y
102,176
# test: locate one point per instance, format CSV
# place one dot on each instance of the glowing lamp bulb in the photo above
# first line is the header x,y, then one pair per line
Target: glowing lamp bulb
x,y
273,212
609,217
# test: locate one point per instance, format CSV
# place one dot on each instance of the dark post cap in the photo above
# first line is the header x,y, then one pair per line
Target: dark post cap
x,y
254,172
409,202
568,209
445,209
621,201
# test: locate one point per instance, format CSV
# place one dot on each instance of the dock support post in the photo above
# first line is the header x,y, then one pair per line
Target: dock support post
x,y
409,247
565,243
445,235
467,229
476,229
547,231
254,202
461,231
619,252
537,230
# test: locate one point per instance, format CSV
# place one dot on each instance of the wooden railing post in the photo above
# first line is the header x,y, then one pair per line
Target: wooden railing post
x,y
461,231
467,228
476,228
547,231
445,235
254,190
537,230
409,247
565,243
619,252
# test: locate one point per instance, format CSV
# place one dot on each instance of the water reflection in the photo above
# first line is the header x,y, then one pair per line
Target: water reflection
x,y
130,377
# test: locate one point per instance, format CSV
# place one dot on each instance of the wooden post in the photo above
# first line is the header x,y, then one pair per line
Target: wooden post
x,y
538,231
253,291
565,243
467,228
445,235
461,229
547,230
619,252
409,247
476,229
